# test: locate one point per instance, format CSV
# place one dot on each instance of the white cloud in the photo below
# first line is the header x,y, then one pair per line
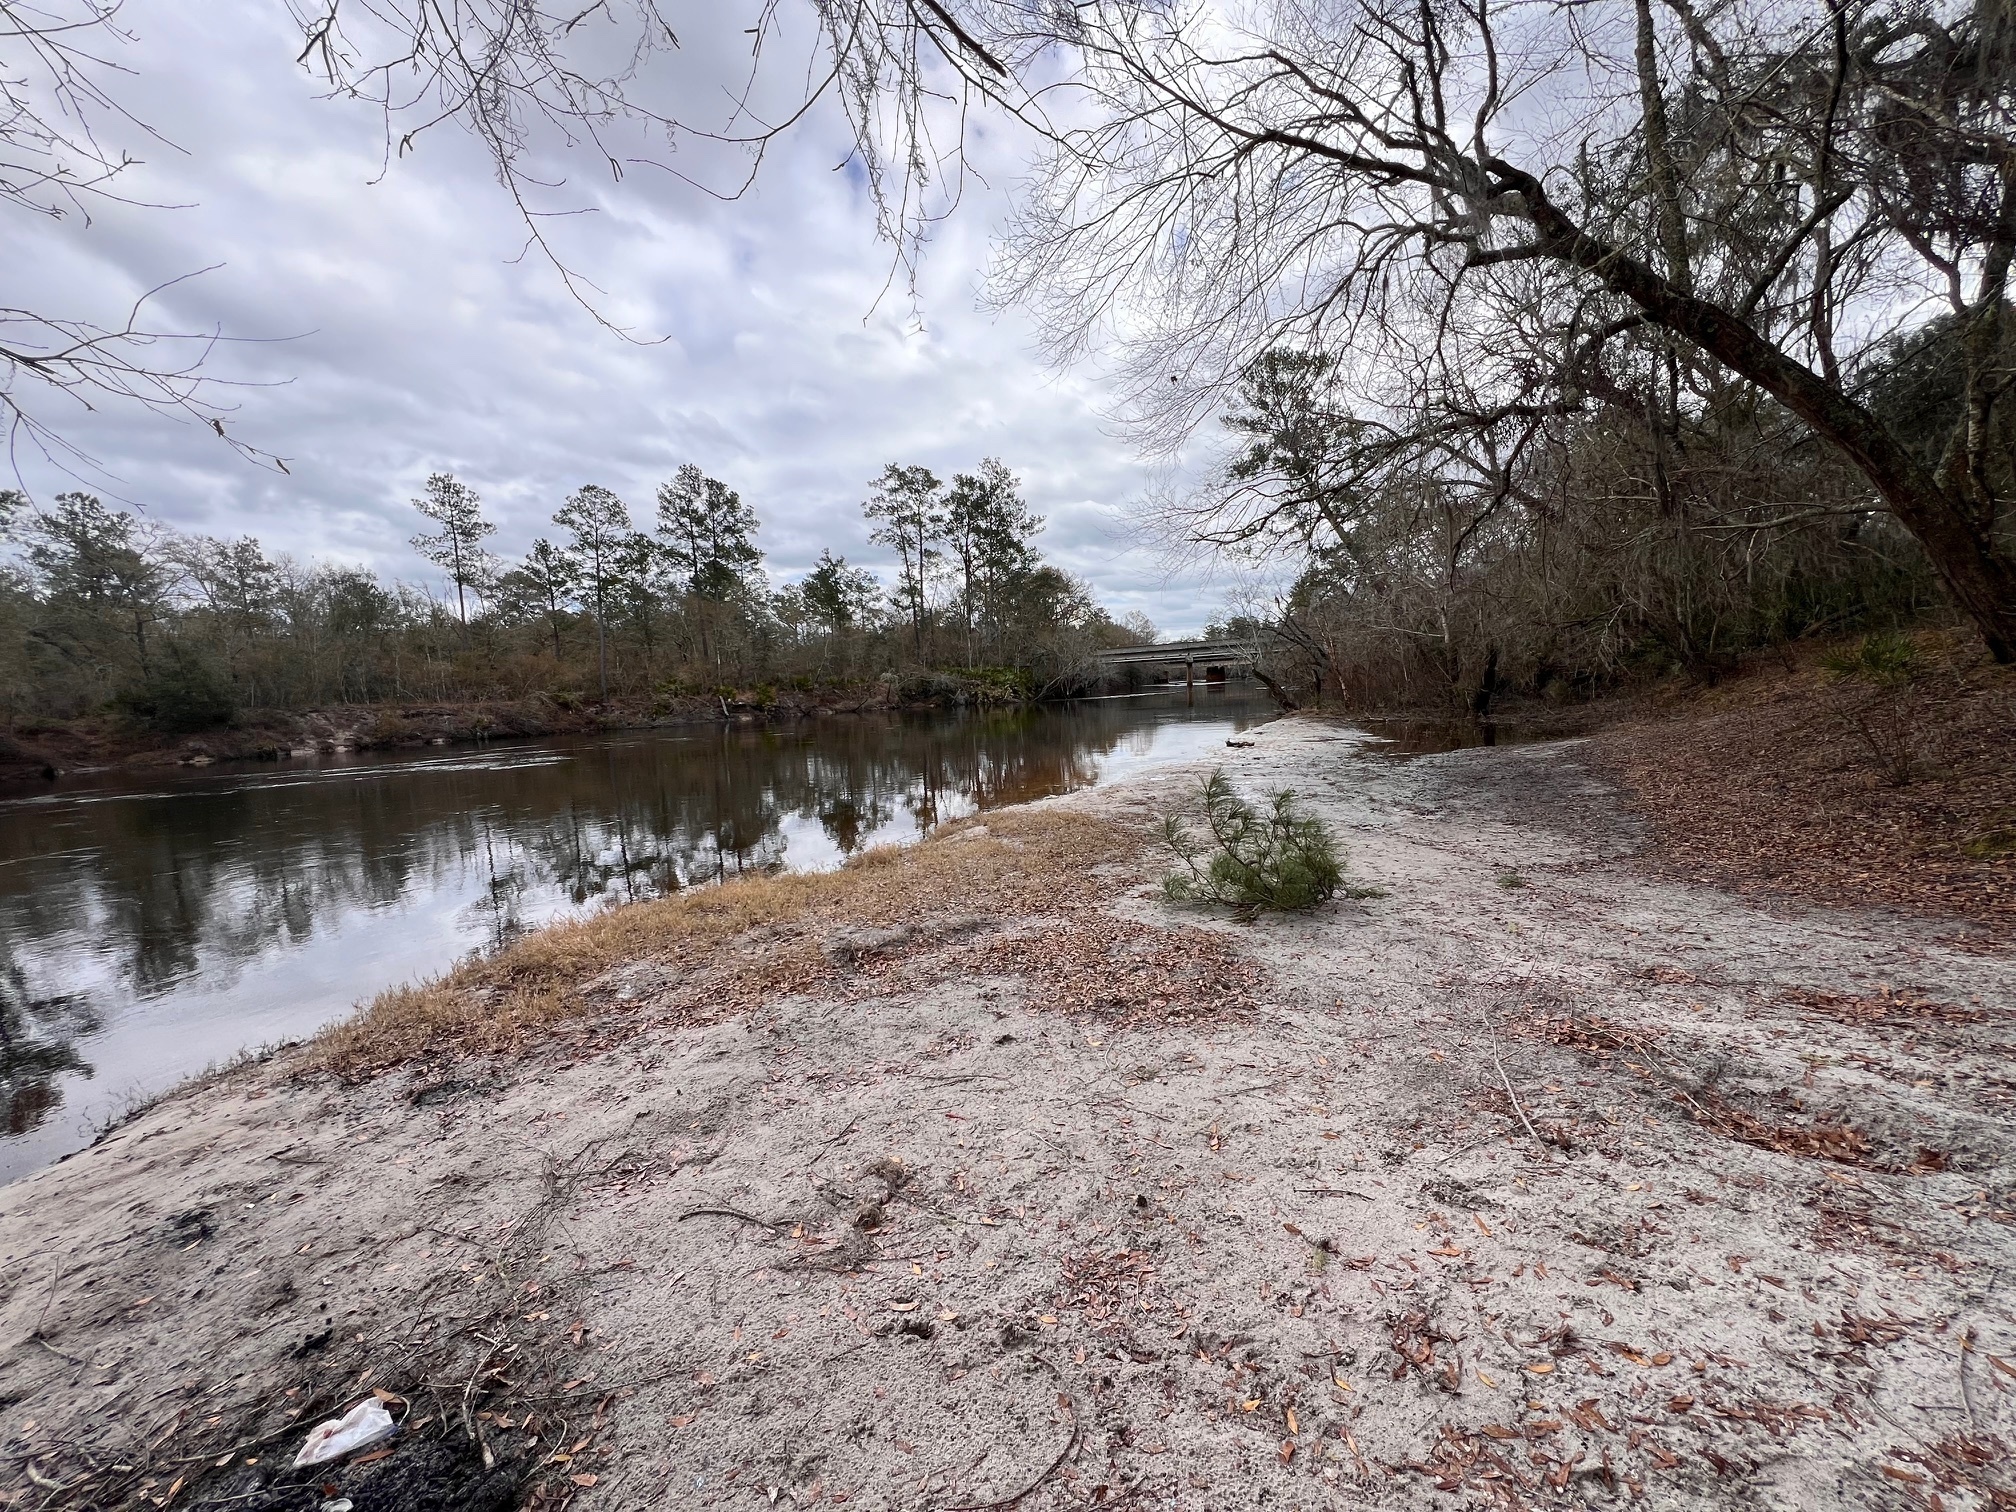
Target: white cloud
x,y
419,344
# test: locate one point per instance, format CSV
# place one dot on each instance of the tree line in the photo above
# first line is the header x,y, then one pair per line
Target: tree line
x,y
1566,348
1632,341
104,608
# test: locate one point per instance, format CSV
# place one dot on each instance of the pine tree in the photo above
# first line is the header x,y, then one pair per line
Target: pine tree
x,y
599,524
709,533
839,597
457,547
908,503
988,529
546,581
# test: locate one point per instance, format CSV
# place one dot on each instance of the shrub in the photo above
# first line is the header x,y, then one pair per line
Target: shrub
x,y
180,695
1282,859
1883,659
1876,701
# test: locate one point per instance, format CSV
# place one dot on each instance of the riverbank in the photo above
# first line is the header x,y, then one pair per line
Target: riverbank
x,y
37,751
1786,780
107,741
975,1173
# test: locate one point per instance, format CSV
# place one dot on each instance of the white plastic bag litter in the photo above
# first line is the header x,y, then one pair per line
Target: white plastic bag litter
x,y
362,1426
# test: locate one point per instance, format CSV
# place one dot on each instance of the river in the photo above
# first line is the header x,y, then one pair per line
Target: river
x,y
152,927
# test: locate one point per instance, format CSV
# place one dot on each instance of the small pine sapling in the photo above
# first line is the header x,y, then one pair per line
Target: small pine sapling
x,y
1249,860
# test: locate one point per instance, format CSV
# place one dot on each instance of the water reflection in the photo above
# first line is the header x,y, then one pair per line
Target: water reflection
x,y
148,929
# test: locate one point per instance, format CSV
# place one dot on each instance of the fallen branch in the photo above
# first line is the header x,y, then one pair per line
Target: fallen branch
x,y
1070,1447
728,1212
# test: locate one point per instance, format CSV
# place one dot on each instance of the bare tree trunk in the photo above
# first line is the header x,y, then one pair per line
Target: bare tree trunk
x,y
602,648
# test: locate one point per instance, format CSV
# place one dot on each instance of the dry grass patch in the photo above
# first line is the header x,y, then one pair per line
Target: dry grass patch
x,y
727,947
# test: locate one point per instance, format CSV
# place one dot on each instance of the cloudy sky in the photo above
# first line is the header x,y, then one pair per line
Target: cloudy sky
x,y
390,329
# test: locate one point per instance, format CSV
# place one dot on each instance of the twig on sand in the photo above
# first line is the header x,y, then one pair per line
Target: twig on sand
x,y
1491,1038
61,1354
469,1423
728,1212
49,1301
38,1478
1070,1447
1966,1395
827,1144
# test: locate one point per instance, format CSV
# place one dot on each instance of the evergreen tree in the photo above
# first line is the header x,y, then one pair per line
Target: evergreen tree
x,y
988,530
97,571
911,509
457,547
839,597
710,534
543,585
598,524
640,561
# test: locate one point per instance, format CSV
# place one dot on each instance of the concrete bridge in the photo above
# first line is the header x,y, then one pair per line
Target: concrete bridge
x,y
1189,655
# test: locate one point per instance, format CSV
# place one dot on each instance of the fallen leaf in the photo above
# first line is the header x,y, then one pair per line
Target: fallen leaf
x,y
682,1420
902,1307
1485,1379
1249,1404
1292,1428
584,1480
1482,1227
1543,1368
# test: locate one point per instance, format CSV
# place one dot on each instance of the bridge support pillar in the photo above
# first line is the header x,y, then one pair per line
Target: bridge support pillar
x,y
1189,676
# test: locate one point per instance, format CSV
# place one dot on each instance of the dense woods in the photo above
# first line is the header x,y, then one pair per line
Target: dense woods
x,y
1591,558
102,607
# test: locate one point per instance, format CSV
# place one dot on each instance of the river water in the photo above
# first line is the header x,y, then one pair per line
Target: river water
x,y
149,929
